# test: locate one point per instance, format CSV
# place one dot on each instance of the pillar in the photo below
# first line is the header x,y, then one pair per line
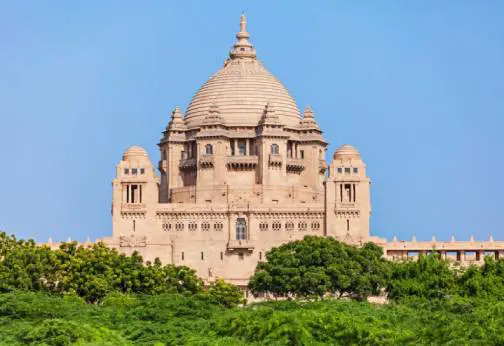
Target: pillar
x,y
247,147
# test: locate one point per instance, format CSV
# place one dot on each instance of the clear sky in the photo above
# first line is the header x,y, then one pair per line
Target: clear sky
x,y
416,86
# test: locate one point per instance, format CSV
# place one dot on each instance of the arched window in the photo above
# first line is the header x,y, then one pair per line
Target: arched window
x,y
274,149
241,229
208,149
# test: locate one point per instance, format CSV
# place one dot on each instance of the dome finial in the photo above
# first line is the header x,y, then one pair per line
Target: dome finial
x,y
243,23
242,48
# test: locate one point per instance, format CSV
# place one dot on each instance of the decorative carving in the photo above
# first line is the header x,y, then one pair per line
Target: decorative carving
x,y
132,241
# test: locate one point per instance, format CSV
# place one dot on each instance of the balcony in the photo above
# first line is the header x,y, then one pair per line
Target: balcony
x,y
347,205
296,165
275,160
133,208
322,166
206,161
242,162
187,164
245,244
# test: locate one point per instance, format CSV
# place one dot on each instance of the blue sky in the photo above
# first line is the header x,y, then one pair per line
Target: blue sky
x,y
417,86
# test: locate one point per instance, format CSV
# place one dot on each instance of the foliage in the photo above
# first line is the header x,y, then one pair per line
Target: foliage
x,y
427,277
176,319
225,294
88,272
315,266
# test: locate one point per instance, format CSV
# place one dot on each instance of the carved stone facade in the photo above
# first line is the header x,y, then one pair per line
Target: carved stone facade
x,y
243,171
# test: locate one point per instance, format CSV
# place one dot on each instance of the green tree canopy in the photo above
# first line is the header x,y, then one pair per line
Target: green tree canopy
x,y
427,277
316,266
89,272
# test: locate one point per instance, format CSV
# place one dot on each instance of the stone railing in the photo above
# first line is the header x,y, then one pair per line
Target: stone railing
x,y
460,251
322,166
242,162
244,244
206,161
187,163
295,164
347,205
275,160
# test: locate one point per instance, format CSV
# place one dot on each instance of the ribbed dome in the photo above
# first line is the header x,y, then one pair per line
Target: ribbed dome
x,y
241,90
134,151
346,152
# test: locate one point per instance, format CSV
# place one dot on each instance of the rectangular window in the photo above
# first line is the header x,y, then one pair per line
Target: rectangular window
x,y
182,255
241,229
356,170
134,171
241,148
222,256
202,256
301,154
340,170
182,154
347,170
142,170
126,171
133,194
232,145
348,193
252,148
241,256
260,255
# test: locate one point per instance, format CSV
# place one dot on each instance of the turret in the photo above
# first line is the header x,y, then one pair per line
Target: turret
x,y
348,205
135,193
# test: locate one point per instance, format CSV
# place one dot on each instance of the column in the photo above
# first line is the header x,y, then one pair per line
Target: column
x,y
124,193
235,144
247,147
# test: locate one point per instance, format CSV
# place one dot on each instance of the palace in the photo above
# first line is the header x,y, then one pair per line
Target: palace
x,y
241,172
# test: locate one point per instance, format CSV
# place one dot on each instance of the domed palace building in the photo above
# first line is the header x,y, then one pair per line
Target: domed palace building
x,y
240,172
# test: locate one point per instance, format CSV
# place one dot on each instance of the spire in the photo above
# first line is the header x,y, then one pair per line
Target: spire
x,y
243,23
242,48
176,121
269,117
213,117
308,113
308,121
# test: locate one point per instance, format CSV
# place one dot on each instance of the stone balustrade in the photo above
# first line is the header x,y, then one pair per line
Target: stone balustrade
x,y
295,164
275,160
188,163
242,162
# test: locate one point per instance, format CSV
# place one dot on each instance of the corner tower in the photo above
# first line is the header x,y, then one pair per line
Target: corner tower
x,y
348,204
134,194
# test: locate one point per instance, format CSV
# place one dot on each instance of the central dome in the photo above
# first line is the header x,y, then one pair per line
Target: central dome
x,y
241,89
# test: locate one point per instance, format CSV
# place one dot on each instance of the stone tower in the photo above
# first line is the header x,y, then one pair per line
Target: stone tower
x,y
348,204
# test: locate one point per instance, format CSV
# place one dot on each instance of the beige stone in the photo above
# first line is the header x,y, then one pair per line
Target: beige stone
x,y
243,172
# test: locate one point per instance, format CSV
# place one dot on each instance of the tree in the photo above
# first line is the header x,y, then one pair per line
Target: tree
x,y
225,294
427,277
89,272
315,266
